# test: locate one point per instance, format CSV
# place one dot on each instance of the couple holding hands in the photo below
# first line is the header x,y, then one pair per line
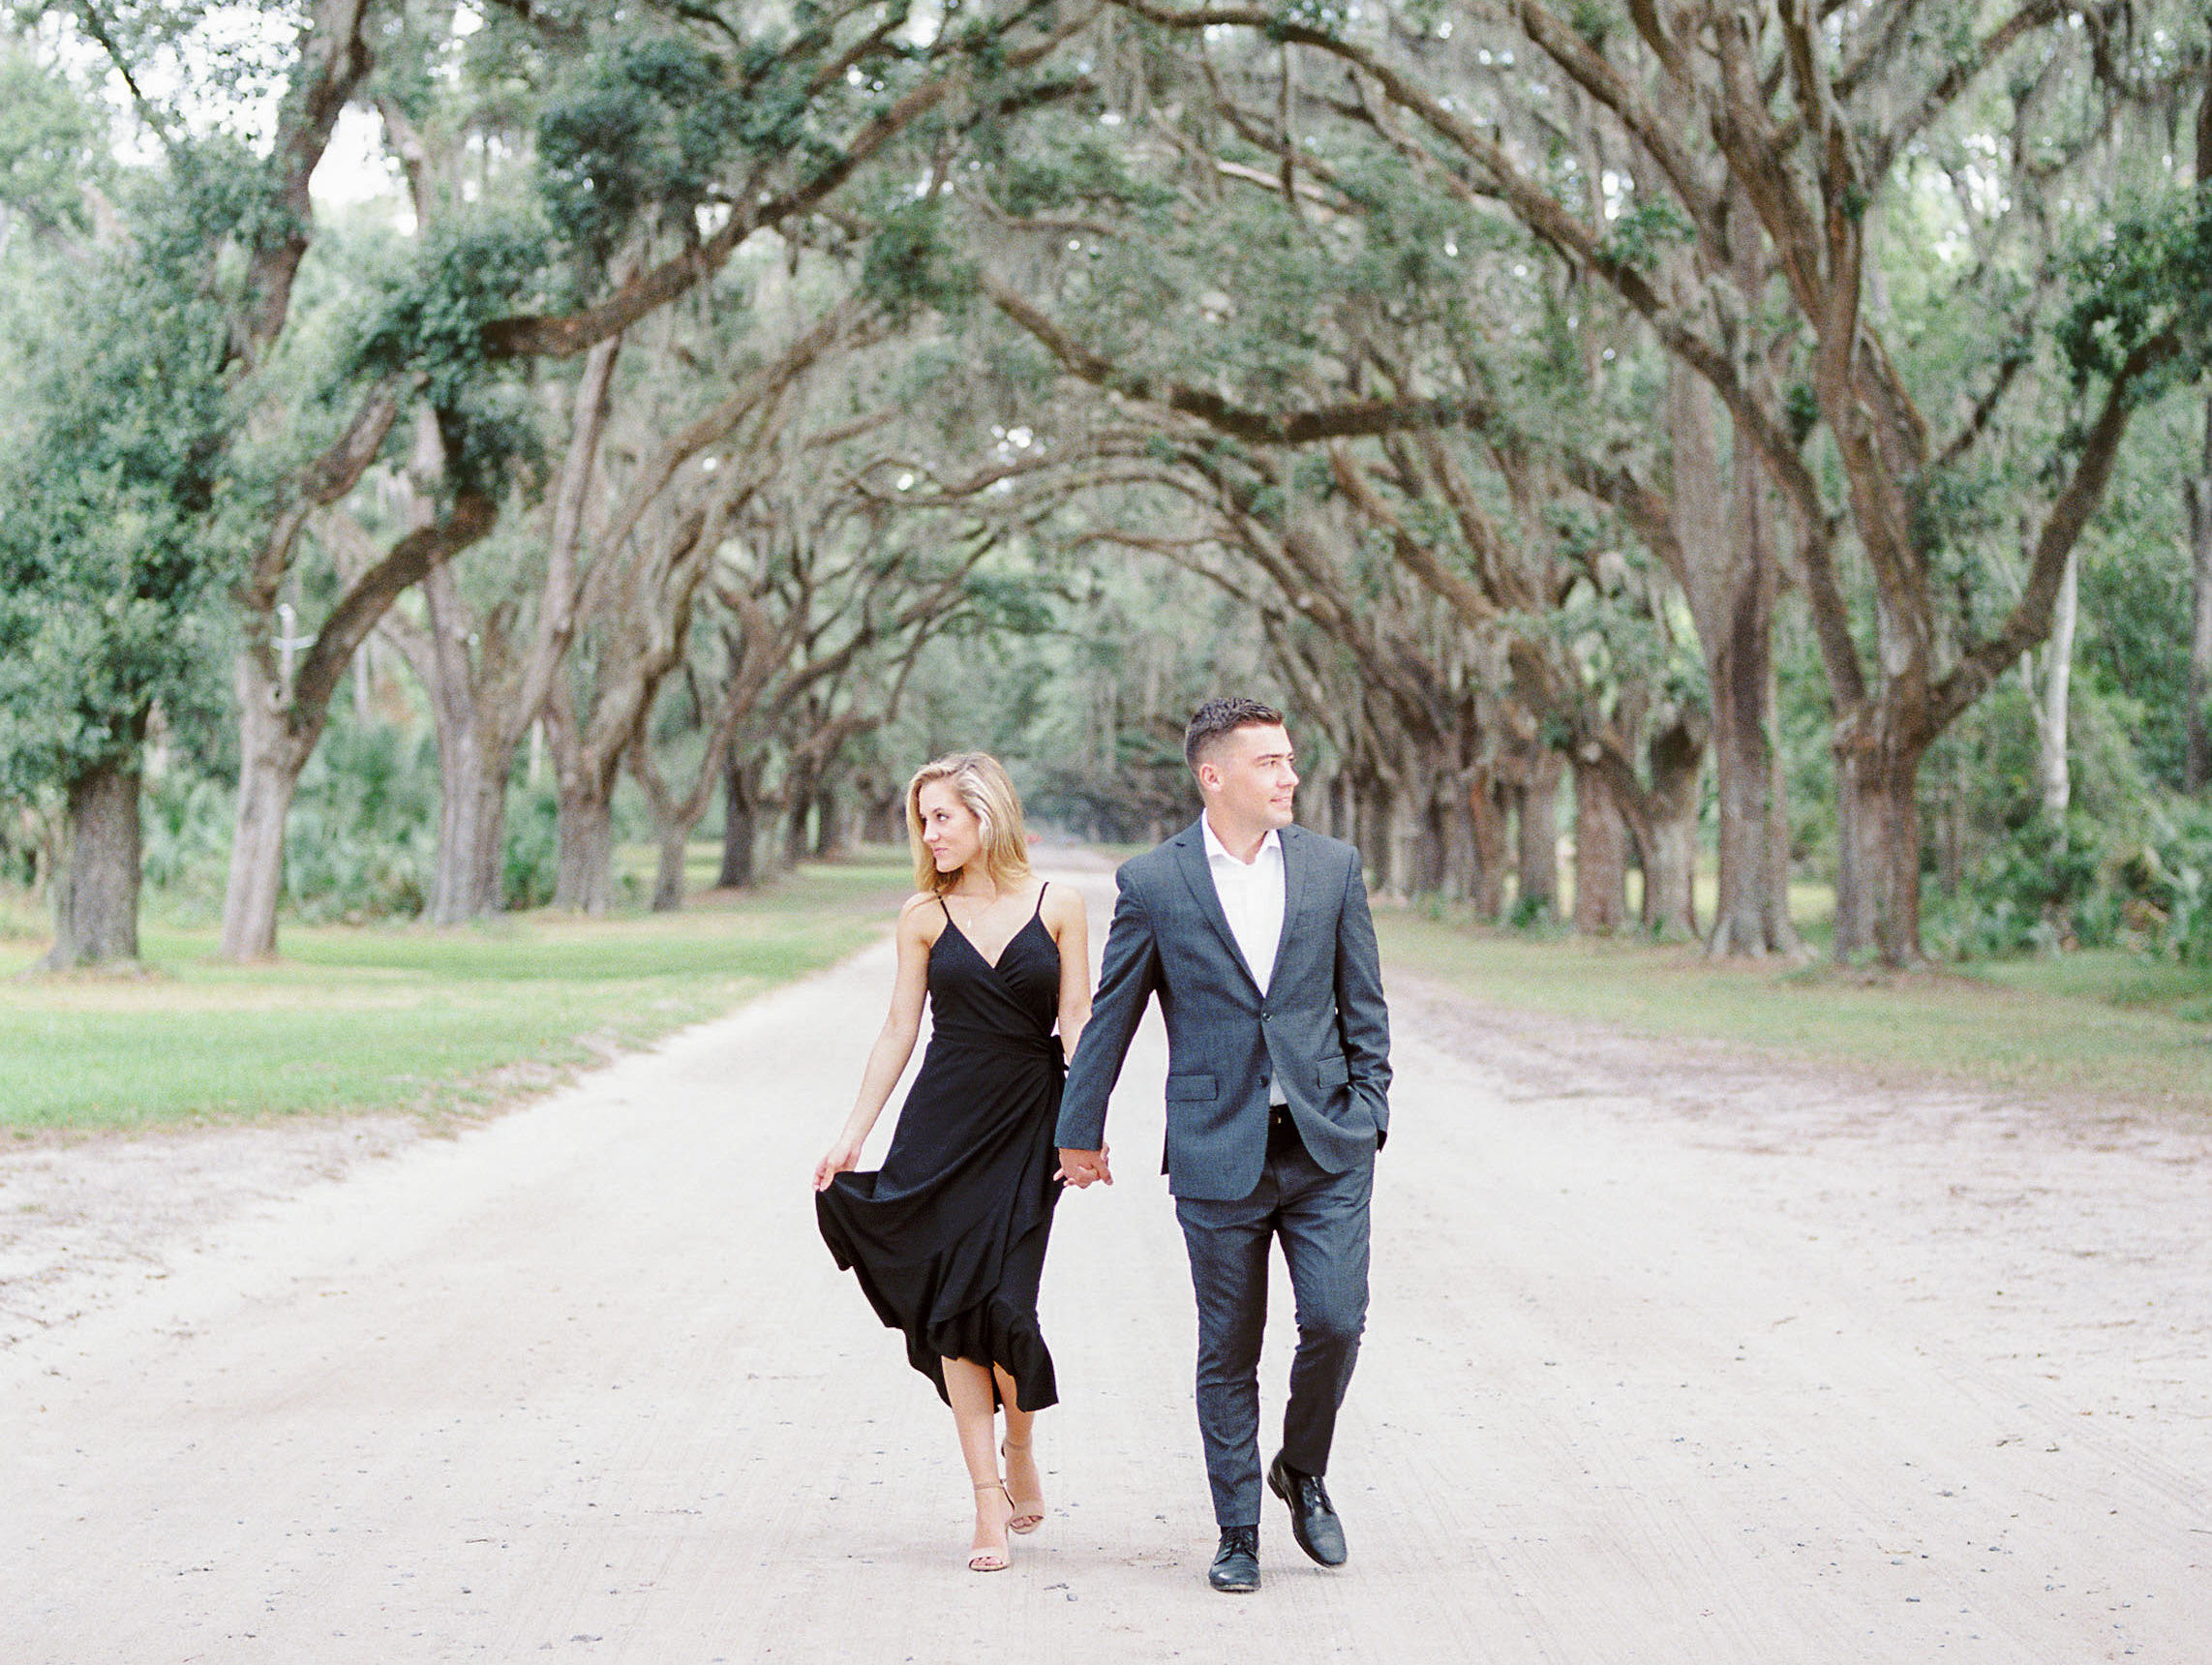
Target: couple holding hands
x,y
1255,935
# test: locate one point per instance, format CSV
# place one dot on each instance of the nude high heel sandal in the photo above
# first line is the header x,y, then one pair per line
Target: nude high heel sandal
x,y
1028,1512
984,1557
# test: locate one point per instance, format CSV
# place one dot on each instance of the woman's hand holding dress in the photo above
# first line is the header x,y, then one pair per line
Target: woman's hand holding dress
x,y
844,1157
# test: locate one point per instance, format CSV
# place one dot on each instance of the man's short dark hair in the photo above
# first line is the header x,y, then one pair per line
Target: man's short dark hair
x,y
1217,719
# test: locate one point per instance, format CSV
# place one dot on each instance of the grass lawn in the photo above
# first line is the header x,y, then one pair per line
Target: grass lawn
x,y
2099,1023
401,1017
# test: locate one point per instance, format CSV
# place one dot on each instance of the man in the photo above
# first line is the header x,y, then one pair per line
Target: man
x,y
1255,936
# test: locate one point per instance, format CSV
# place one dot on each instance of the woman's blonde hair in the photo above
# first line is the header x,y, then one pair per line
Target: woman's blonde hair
x,y
983,786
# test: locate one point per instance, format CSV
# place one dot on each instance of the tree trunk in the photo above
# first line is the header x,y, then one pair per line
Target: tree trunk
x,y
1877,888
1782,932
96,883
1373,812
1600,855
668,872
741,825
584,822
1487,820
796,809
1429,852
829,829
1454,813
1669,846
2051,773
1670,878
1744,762
1733,604
2197,767
2196,763
271,757
887,822
471,826
1538,846
1402,824
1317,804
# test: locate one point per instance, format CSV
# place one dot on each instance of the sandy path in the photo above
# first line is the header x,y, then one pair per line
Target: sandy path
x,y
1667,1363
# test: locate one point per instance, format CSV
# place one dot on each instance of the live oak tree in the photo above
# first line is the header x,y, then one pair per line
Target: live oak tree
x,y
112,485
1364,335
1769,143
659,142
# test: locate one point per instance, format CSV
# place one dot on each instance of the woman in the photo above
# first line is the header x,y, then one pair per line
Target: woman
x,y
948,1237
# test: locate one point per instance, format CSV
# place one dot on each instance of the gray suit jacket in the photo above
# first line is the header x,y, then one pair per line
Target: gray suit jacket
x,y
1320,1027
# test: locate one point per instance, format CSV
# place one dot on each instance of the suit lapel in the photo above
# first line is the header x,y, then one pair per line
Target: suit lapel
x,y
1294,864
1199,878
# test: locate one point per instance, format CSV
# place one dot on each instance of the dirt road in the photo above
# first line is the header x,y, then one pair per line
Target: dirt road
x,y
1671,1359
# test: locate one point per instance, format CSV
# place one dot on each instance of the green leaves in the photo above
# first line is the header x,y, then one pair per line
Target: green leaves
x,y
1085,171
640,137
913,263
50,147
111,503
1644,233
429,321
2148,285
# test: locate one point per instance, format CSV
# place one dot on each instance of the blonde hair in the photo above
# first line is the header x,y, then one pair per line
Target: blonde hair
x,y
983,787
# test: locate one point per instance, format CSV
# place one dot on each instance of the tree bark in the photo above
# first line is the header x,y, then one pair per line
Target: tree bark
x,y
584,870
675,842
2052,776
584,775
1724,559
1538,848
829,829
474,751
2196,761
1877,888
1429,844
1461,859
2198,764
1317,802
470,882
281,721
1486,801
271,757
795,805
95,883
741,824
1668,846
1600,855
1782,932
1373,818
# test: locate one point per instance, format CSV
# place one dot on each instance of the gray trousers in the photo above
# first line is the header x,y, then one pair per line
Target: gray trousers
x,y
1322,1221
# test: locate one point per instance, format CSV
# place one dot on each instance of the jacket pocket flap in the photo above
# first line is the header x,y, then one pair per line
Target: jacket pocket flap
x,y
1332,1070
1190,1087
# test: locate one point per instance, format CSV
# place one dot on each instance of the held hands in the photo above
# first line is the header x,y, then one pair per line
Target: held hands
x,y
845,1156
1081,1167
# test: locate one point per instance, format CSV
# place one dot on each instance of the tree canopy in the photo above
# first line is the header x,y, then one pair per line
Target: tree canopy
x,y
1780,427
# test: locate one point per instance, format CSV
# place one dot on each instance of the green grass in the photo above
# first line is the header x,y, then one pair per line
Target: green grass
x,y
2093,1025
401,1017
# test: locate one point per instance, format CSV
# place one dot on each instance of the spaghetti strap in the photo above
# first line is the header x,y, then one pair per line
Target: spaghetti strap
x,y
946,906
1040,910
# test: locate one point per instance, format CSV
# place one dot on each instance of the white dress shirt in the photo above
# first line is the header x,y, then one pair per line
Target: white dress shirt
x,y
1250,895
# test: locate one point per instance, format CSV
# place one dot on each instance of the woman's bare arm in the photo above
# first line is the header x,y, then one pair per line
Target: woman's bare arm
x,y
894,1045
1070,927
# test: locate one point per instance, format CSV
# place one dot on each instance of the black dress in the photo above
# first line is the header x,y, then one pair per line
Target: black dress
x,y
948,1237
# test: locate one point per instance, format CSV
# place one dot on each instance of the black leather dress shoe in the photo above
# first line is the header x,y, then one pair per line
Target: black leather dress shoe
x,y
1313,1522
1236,1564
